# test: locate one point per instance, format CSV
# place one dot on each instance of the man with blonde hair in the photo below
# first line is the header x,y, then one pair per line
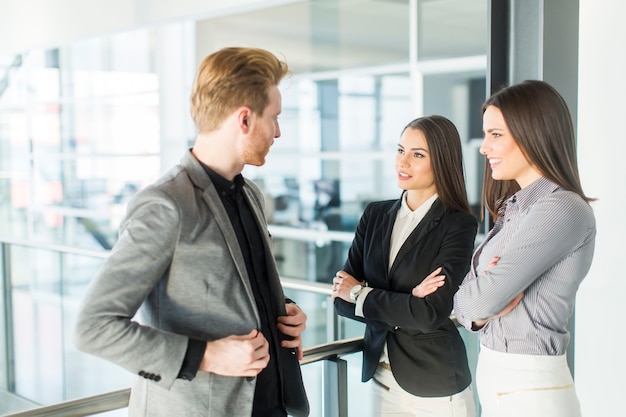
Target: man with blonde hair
x,y
217,335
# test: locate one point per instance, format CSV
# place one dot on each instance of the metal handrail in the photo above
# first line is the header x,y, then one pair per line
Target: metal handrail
x,y
277,231
332,350
116,400
291,283
86,406
102,254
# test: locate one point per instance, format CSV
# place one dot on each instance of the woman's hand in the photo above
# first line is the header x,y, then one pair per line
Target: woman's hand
x,y
430,284
342,284
512,304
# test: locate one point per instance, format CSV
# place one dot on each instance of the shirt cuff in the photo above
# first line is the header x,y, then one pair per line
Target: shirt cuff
x,y
358,310
192,359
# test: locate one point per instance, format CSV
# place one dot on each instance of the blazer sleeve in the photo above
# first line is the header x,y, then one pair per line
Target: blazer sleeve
x,y
354,265
400,309
105,326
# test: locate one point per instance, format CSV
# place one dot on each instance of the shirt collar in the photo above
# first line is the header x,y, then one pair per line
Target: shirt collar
x,y
528,195
421,211
222,185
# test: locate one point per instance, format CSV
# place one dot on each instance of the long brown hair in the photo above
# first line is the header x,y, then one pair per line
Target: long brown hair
x,y
541,125
446,155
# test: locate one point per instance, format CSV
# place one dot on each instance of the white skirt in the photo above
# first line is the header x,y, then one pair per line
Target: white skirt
x,y
512,385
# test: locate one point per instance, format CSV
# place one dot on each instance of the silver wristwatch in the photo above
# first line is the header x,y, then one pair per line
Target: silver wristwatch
x,y
355,292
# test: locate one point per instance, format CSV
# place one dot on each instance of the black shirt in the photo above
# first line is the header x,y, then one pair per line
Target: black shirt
x,y
267,396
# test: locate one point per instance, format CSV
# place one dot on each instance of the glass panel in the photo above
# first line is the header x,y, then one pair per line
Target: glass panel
x,y
5,340
37,324
346,106
316,308
64,116
46,289
78,382
451,28
313,377
81,132
359,394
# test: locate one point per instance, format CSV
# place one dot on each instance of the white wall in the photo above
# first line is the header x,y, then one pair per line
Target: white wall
x,y
600,328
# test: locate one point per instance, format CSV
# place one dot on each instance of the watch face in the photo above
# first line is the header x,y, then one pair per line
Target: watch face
x,y
355,291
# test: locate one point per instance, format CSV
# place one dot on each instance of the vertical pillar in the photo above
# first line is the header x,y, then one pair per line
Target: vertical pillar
x,y
544,45
7,347
417,78
499,48
335,388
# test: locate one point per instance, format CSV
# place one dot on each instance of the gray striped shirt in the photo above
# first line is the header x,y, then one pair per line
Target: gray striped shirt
x,y
545,241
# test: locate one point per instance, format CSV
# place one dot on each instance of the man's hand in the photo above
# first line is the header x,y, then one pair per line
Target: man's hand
x,y
235,355
430,284
292,325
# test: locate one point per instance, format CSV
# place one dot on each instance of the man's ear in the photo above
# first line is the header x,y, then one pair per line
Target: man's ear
x,y
244,119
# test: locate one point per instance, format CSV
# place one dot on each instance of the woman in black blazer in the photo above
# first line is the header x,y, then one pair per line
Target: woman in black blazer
x,y
412,349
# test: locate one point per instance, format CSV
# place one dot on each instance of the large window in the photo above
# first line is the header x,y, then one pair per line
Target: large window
x,y
85,125
79,134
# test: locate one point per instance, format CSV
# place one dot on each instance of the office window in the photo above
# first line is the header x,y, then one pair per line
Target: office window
x,y
86,125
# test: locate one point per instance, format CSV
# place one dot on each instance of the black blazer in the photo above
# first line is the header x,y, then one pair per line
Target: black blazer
x,y
426,352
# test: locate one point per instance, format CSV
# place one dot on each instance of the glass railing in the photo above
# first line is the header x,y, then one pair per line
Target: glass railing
x,y
334,401
42,285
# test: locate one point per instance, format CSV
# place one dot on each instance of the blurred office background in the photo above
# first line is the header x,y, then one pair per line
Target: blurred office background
x,y
94,106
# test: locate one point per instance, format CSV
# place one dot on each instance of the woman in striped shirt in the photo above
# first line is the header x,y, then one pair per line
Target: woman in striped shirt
x,y
519,294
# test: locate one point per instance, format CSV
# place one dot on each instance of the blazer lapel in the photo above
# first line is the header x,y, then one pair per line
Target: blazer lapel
x,y
276,289
200,178
388,220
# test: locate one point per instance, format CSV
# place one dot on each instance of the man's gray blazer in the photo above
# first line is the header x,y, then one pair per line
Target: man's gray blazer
x,y
178,259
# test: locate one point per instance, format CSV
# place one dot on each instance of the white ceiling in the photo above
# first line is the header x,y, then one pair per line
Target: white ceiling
x,y
327,35
330,35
